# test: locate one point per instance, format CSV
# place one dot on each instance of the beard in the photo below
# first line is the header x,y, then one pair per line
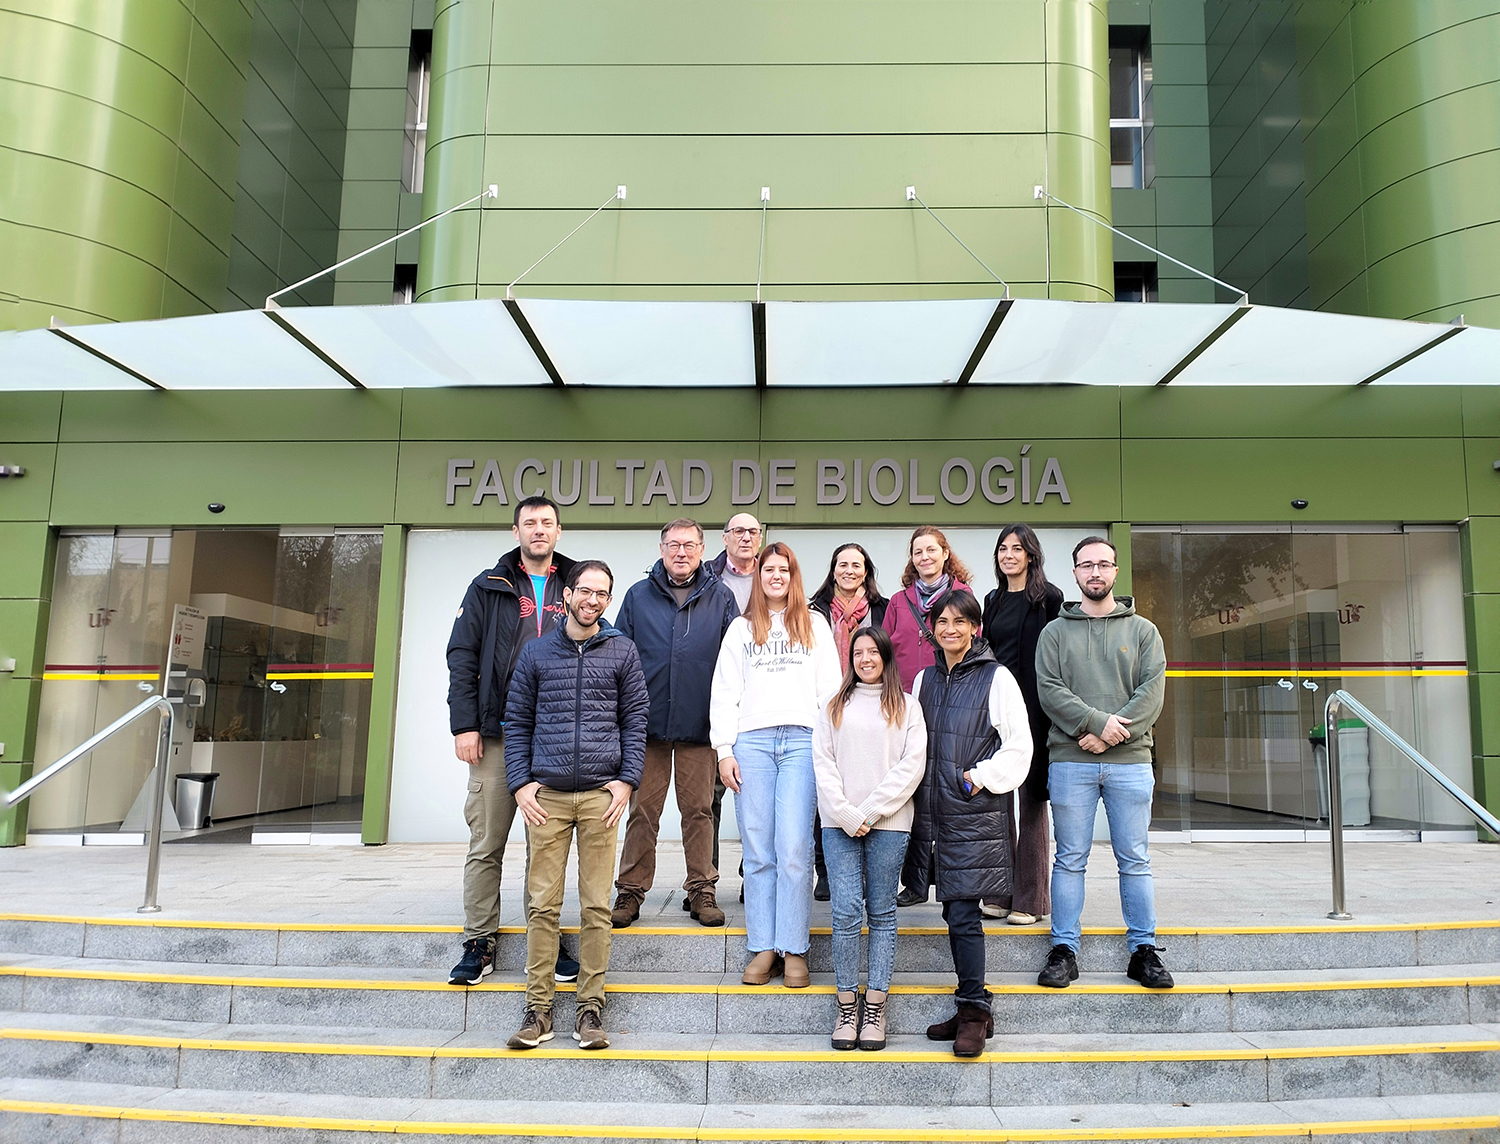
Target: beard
x,y
1097,593
573,614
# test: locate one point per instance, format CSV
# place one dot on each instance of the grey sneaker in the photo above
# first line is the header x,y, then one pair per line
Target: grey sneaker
x,y
536,1027
588,1030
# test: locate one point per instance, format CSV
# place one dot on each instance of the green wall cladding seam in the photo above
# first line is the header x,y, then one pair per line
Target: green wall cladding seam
x,y
118,128
292,150
1402,127
837,107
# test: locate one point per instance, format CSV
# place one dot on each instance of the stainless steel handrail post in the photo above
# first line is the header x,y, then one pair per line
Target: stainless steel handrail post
x,y
1335,808
164,738
1341,698
168,715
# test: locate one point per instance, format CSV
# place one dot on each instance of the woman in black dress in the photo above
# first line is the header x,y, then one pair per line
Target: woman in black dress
x,y
1014,615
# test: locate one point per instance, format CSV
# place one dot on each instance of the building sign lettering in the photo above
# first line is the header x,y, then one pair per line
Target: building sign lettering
x,y
653,482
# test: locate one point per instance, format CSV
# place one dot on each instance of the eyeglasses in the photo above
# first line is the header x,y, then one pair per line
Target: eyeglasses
x,y
1099,565
738,532
681,545
584,594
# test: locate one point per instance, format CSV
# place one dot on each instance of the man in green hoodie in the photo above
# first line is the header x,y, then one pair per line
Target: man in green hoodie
x,y
1101,674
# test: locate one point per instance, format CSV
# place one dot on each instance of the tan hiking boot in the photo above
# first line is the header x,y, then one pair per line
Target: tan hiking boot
x,y
846,1025
705,909
872,1021
627,909
763,966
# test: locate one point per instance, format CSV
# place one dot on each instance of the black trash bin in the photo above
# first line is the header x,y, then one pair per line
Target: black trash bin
x,y
195,799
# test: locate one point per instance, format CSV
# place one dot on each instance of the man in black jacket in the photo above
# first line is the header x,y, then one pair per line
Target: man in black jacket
x,y
517,600
677,617
575,745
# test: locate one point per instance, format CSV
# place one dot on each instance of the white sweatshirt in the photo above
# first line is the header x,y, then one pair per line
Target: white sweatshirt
x,y
1007,768
867,770
770,685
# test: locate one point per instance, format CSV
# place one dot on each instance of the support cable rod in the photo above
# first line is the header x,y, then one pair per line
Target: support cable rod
x,y
760,263
913,197
1041,192
618,196
490,192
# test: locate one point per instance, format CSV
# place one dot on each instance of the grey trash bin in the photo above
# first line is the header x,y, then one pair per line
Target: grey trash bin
x,y
195,799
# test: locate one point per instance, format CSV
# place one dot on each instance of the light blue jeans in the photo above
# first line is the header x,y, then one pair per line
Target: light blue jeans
x,y
863,876
1076,789
775,806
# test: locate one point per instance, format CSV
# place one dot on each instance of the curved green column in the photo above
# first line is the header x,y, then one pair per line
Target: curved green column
x,y
837,106
119,123
1402,104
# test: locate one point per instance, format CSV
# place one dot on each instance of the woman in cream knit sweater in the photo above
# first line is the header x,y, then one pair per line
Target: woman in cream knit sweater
x,y
869,755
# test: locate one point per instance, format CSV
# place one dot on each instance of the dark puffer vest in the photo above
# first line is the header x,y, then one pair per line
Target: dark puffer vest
x,y
959,840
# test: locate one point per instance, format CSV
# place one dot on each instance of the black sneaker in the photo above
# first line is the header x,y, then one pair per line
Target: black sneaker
x,y
1061,968
536,1027
477,962
588,1030
567,966
1147,968
910,898
821,891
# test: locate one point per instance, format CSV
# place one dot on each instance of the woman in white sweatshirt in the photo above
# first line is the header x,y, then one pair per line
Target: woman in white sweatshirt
x,y
777,666
869,753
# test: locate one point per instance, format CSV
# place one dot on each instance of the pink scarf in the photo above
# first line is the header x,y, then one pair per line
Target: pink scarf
x,y
847,621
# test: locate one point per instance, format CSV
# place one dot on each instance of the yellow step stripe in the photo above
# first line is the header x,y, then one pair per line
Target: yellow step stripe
x,y
711,1132
726,987
889,1056
700,931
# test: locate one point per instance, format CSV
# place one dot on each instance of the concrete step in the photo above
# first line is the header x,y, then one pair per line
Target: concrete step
x,y
718,1003
689,948
58,1112
1016,1069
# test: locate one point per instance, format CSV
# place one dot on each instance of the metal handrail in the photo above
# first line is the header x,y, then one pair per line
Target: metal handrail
x,y
1342,698
168,714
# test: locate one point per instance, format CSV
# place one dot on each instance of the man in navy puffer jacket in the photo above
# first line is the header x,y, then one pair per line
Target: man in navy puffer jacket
x,y
575,746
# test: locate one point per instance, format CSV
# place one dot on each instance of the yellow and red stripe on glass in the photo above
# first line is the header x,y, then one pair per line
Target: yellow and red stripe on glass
x,y
306,671
1348,669
101,672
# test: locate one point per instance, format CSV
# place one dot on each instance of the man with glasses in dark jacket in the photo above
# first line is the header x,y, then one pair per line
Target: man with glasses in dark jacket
x,y
516,601
575,745
677,617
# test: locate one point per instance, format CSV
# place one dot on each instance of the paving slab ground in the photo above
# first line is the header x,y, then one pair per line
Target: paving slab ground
x,y
1197,884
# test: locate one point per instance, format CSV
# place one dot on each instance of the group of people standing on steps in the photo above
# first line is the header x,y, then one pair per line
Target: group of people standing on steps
x,y
911,742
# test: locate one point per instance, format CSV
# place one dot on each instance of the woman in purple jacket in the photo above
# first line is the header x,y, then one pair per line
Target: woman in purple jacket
x,y
931,570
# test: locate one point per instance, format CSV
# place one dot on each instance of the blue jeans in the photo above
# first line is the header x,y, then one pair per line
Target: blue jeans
x,y
863,875
1076,789
775,806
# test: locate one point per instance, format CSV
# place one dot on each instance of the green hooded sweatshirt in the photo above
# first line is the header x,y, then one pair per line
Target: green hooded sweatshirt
x,y
1091,667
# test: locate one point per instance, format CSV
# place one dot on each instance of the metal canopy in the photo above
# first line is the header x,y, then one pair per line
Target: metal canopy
x,y
536,342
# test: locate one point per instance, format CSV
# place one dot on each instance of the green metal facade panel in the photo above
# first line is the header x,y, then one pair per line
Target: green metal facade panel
x,y
382,733
1402,125
118,129
308,415
837,107
291,156
25,594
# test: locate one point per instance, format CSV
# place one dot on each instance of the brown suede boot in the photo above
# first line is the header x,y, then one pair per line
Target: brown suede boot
x,y
795,975
947,1030
705,909
627,909
974,1026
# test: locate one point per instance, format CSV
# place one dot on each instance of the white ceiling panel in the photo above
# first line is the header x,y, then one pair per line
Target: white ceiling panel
x,y
872,343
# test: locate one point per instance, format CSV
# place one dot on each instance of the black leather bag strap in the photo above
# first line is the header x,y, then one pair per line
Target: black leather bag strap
x,y
921,623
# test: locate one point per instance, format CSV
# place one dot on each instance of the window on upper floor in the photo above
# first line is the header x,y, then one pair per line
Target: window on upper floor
x,y
404,287
1135,282
418,93
1130,158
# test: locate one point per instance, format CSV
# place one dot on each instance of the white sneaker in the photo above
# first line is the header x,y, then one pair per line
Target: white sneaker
x,y
990,911
1019,919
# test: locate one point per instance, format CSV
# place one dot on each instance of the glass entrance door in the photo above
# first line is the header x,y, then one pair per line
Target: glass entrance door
x,y
1259,627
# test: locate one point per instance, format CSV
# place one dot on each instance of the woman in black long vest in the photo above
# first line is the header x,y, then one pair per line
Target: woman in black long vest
x,y
1014,615
978,751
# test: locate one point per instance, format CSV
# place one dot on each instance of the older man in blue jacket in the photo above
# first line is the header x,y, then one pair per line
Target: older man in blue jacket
x,y
677,617
575,744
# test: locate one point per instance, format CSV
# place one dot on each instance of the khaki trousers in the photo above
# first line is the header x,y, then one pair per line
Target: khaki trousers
x,y
569,812
489,809
696,769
